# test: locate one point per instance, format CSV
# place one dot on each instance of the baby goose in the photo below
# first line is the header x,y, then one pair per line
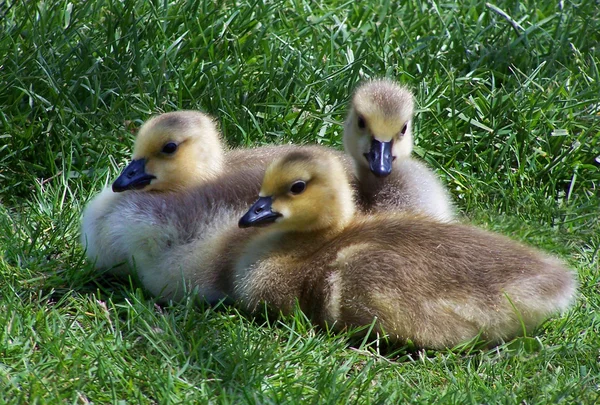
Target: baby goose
x,y
378,136
165,158
437,284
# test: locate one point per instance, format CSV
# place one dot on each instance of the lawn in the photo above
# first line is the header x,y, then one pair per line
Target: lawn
x,y
508,98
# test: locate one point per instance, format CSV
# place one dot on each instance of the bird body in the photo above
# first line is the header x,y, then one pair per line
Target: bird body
x,y
436,284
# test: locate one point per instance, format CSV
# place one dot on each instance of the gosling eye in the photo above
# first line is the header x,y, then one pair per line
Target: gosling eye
x,y
404,128
169,148
361,122
298,187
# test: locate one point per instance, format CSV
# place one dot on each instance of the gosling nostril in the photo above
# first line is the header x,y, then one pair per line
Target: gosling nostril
x,y
258,210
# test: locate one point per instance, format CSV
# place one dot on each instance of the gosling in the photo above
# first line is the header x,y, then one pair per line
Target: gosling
x,y
435,284
378,137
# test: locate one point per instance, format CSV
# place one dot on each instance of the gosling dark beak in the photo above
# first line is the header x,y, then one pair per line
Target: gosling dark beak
x,y
380,158
261,213
133,177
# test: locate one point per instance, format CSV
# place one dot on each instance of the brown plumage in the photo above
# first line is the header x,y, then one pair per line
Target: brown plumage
x,y
437,284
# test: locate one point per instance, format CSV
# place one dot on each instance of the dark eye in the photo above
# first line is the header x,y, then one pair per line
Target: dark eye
x,y
298,187
403,131
169,148
361,122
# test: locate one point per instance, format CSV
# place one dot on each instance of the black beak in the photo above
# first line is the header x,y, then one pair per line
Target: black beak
x,y
380,158
261,213
133,177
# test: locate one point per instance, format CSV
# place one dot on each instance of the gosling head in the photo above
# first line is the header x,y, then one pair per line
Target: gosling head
x,y
378,128
303,191
173,151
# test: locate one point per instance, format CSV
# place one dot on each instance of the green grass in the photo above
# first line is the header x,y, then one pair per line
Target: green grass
x,y
508,114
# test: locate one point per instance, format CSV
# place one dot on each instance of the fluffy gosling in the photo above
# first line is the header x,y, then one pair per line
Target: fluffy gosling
x,y
435,284
378,137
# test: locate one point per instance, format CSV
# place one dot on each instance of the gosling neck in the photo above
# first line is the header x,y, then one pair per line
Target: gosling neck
x,y
369,184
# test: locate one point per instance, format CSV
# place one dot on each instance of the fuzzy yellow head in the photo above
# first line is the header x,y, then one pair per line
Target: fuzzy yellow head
x,y
378,128
173,151
303,191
